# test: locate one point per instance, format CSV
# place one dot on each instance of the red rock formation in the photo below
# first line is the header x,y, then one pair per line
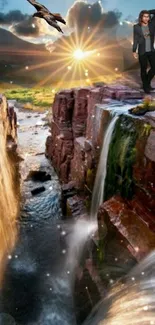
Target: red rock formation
x,y
144,168
119,217
76,137
77,129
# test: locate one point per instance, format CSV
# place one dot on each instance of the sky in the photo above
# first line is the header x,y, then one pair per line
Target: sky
x,y
79,14
132,7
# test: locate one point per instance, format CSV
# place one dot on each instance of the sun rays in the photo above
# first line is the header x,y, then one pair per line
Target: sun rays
x,y
84,57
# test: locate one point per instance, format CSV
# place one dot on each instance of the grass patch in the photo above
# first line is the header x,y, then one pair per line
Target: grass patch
x,y
31,98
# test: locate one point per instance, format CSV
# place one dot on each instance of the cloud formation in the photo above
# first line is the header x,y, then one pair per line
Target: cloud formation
x,y
28,27
82,14
25,25
13,16
22,24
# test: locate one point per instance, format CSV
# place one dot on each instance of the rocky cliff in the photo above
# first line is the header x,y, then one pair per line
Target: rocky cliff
x,y
77,128
9,181
77,131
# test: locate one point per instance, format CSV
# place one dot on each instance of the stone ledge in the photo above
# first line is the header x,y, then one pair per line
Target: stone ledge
x,y
140,239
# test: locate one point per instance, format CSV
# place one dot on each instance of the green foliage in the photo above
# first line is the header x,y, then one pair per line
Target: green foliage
x,y
121,158
40,97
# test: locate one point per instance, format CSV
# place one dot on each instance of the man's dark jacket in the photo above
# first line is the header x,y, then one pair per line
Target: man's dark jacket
x,y
138,37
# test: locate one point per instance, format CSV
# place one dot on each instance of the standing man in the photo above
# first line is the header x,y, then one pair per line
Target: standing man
x,y
143,38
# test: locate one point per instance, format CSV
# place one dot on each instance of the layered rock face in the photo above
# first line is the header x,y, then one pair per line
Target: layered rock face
x,y
9,180
129,206
77,132
8,119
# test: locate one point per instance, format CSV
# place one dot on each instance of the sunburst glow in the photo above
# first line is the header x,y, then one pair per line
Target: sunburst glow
x,y
80,59
81,55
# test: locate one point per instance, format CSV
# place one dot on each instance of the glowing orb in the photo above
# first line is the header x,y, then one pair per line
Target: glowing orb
x,y
79,54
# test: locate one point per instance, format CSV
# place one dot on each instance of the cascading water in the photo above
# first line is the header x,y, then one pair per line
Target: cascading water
x,y
98,191
8,201
131,301
80,233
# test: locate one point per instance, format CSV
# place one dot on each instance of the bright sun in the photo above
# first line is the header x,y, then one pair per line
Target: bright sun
x,y
78,54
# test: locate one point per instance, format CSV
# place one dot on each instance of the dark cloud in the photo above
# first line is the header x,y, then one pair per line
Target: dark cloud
x,y
81,15
14,16
21,24
28,27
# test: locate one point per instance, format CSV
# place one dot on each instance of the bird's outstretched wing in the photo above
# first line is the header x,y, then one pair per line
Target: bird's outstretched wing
x,y
58,17
37,5
52,22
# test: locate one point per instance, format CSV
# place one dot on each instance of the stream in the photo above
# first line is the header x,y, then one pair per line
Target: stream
x,y
40,274
37,286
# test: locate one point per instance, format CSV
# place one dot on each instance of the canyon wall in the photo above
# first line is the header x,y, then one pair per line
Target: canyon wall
x,y
9,181
77,131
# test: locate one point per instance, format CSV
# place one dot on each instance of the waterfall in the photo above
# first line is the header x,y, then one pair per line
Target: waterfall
x,y
98,191
8,201
81,231
131,300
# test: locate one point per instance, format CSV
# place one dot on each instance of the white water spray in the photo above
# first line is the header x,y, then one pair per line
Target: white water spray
x,y
82,230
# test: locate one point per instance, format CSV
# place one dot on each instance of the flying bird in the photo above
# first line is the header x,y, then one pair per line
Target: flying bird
x,y
51,18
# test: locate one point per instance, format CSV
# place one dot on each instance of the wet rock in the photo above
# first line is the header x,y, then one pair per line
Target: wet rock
x,y
68,190
118,215
76,207
38,190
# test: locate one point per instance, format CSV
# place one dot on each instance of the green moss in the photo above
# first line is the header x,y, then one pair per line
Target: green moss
x,y
146,129
90,178
100,252
121,157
